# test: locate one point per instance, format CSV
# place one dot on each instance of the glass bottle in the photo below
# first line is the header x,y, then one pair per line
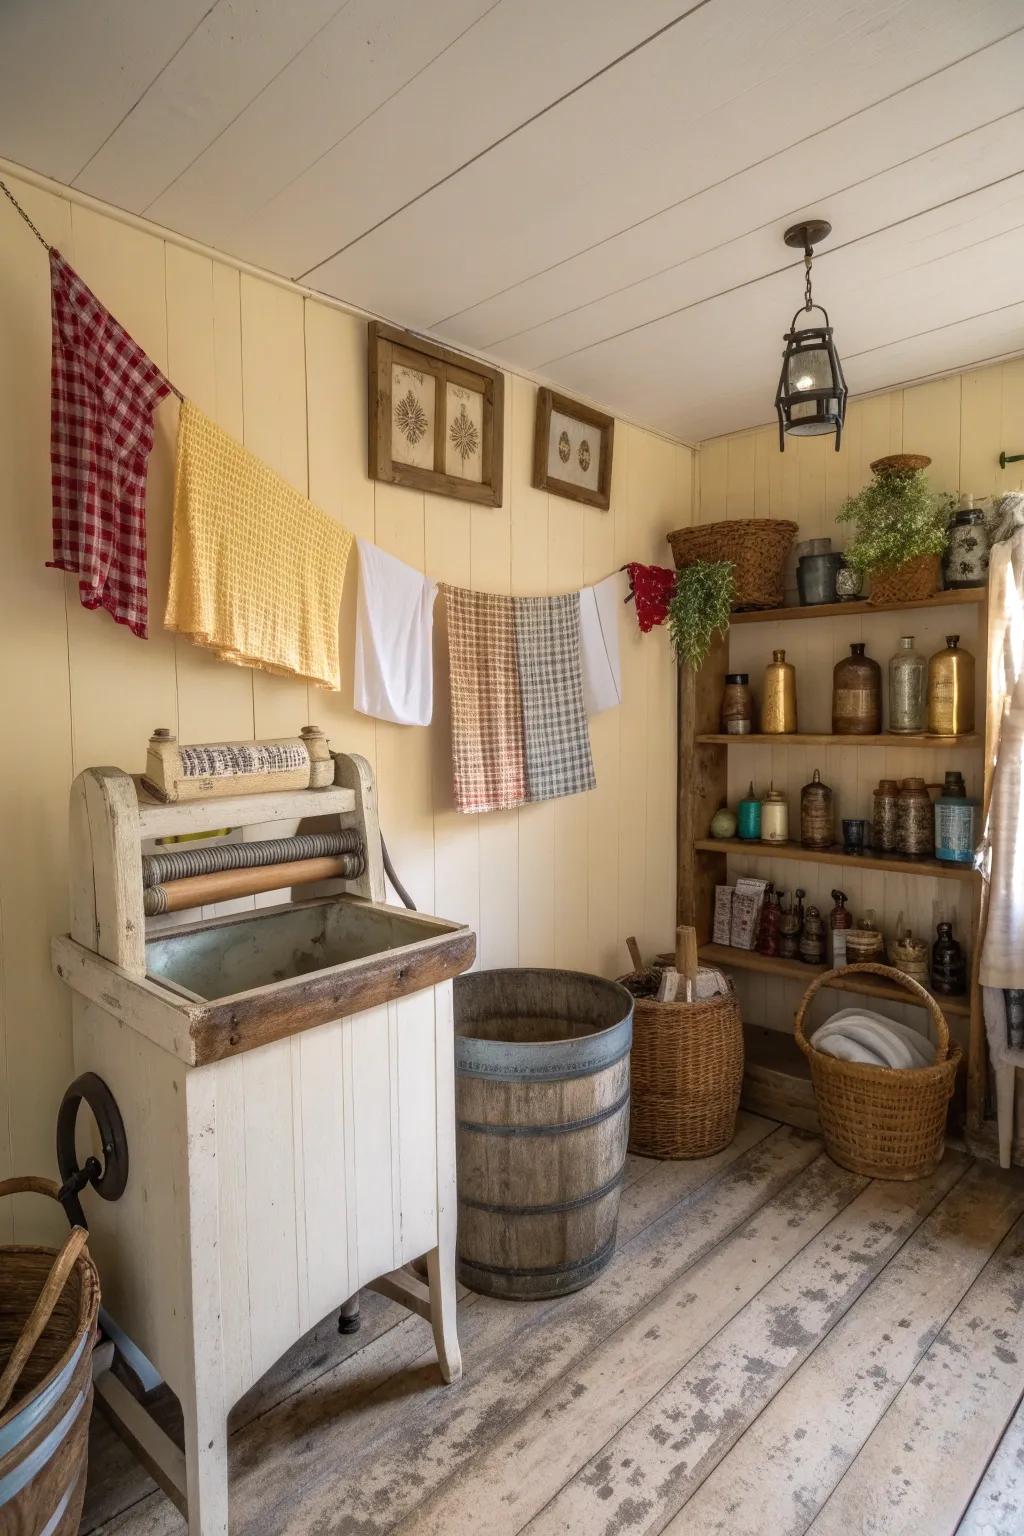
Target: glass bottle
x,y
965,563
884,819
790,924
748,817
812,938
778,700
908,690
951,690
839,920
857,694
816,814
956,822
949,968
768,932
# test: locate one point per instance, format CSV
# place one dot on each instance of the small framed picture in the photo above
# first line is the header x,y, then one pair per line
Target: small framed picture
x,y
572,450
436,418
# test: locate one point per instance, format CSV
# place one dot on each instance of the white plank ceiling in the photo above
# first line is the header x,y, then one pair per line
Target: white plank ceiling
x,y
588,190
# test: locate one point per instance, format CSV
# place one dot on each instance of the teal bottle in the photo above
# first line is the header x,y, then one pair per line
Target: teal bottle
x,y
748,818
956,822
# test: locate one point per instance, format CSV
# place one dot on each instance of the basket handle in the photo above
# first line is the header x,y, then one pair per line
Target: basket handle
x,y
921,995
47,1299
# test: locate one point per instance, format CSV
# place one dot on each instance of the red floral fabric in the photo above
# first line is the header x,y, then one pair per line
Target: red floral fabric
x,y
652,587
104,390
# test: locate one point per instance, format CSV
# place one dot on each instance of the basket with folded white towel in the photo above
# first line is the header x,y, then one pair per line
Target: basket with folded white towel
x,y
882,1088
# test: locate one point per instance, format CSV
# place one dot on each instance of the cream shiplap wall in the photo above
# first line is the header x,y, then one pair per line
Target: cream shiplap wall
x,y
556,884
962,422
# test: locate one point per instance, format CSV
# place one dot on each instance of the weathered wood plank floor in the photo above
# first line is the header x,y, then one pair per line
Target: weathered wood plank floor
x,y
778,1346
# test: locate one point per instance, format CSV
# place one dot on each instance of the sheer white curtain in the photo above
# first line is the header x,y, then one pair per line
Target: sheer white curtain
x,y
1002,956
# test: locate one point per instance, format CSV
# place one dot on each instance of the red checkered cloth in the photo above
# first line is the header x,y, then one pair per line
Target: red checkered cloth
x,y
103,392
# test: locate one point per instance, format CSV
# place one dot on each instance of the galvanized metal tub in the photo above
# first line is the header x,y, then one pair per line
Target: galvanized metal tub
x,y
542,1107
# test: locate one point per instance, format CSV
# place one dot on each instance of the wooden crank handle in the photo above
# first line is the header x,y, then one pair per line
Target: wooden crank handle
x,y
635,956
40,1315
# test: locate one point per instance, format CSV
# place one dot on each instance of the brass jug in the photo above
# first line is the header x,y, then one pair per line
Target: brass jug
x,y
778,703
951,691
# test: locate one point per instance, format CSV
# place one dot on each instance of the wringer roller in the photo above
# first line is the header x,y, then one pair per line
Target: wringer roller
x,y
273,1086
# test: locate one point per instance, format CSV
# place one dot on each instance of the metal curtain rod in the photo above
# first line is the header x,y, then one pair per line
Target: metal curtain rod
x,y
5,189
1010,458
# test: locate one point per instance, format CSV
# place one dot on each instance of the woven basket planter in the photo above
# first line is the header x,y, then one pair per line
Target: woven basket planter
x,y
44,1422
755,547
912,581
686,1071
884,1122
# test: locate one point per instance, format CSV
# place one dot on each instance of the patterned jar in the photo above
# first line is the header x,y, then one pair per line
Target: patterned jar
x,y
816,814
737,705
884,817
966,560
857,694
915,821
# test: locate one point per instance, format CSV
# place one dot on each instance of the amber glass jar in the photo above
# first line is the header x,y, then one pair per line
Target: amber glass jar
x,y
857,694
737,705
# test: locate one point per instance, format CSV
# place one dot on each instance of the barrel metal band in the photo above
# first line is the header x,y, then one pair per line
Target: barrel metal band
x,y
542,1063
591,1260
545,1210
21,1425
23,1473
479,1128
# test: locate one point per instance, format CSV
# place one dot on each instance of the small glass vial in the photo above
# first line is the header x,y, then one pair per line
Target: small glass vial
x,y
908,690
737,705
774,817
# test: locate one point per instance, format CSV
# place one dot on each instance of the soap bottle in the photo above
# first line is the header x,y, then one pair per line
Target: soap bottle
x,y
839,920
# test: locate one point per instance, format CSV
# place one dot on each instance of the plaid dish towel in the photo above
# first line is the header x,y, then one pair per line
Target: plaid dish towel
x,y
103,392
487,717
558,760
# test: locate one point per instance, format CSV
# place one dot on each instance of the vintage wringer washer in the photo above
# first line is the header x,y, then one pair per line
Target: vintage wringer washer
x,y
284,1074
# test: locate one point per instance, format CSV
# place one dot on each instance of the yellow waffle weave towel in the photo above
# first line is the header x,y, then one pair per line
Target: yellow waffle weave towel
x,y
256,569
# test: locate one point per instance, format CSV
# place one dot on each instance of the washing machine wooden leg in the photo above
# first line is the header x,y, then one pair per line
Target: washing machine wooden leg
x,y
206,1471
441,1276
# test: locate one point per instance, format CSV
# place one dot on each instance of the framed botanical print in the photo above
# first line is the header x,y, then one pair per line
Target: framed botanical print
x,y
572,450
436,418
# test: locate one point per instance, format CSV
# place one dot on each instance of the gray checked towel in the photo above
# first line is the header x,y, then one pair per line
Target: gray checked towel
x,y
557,741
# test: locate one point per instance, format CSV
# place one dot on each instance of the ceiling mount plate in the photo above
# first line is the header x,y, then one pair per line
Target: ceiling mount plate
x,y
811,232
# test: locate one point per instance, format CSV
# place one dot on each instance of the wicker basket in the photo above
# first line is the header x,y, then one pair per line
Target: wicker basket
x,y
885,1122
686,1071
910,582
756,547
48,1308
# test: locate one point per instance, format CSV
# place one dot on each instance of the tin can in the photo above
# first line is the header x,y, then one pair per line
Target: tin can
x,y
908,689
774,817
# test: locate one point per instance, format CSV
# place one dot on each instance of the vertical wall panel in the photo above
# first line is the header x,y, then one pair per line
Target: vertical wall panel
x,y
560,882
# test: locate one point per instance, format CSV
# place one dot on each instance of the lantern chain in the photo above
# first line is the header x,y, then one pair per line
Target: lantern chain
x,y
808,257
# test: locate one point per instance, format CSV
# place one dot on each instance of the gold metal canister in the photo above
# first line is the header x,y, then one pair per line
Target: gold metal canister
x,y
951,690
778,701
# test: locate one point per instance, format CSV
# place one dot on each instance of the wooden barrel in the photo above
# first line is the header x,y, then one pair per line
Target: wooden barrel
x,y
542,1105
44,1427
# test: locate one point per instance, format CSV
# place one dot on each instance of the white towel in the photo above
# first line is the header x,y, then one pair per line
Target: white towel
x,y
600,607
394,664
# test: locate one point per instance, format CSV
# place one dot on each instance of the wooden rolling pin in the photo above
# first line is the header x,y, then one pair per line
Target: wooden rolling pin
x,y
199,890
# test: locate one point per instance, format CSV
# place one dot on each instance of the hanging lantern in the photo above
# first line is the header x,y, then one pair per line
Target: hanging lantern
x,y
811,397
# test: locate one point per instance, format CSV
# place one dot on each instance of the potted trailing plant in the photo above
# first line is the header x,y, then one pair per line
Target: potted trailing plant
x,y
701,604
901,529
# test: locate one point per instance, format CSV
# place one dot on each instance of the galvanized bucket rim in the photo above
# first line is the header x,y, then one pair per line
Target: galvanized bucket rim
x,y
546,1060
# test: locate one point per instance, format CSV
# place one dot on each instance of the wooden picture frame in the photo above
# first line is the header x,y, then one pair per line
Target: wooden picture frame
x,y
575,423
444,432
